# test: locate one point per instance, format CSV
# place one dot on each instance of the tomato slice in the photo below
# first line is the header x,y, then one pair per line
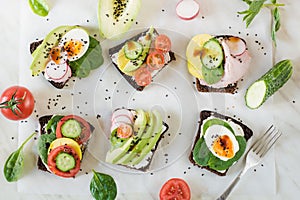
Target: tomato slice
x,y
175,188
52,163
163,43
85,128
142,76
124,130
155,60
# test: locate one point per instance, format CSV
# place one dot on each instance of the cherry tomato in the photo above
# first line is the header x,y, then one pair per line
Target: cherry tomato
x,y
142,76
155,60
85,128
124,130
52,163
17,103
175,188
163,43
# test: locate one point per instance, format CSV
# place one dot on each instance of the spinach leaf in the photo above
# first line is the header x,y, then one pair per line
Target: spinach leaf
x,y
216,121
201,153
44,142
92,59
39,7
103,186
52,123
14,164
218,164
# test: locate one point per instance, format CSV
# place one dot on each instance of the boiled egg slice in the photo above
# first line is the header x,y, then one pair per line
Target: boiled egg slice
x,y
75,43
221,142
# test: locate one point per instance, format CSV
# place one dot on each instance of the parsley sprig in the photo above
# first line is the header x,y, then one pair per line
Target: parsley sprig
x,y
254,8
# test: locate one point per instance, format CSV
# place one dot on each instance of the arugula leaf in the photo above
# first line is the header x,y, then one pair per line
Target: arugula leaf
x,y
276,23
254,8
92,59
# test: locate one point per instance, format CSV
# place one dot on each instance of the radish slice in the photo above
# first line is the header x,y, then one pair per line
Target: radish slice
x,y
125,112
187,9
55,71
236,45
122,118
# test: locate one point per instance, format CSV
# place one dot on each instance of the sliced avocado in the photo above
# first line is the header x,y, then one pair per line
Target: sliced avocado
x,y
116,154
116,17
140,123
150,125
145,41
41,55
144,146
157,131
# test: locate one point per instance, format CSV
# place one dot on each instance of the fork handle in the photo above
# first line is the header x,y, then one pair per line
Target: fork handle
x,y
230,188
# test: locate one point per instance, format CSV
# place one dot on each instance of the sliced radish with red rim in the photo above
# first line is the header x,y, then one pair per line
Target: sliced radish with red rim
x,y
55,71
122,112
236,45
187,9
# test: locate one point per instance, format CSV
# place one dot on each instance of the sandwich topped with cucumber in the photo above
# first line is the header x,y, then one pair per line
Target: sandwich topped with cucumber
x,y
65,52
62,143
141,57
134,137
217,62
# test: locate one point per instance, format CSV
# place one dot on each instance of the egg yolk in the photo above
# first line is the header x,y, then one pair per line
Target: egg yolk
x,y
223,146
58,55
73,47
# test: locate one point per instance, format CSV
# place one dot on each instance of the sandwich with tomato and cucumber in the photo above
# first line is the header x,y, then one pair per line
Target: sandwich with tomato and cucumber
x,y
141,57
62,143
134,137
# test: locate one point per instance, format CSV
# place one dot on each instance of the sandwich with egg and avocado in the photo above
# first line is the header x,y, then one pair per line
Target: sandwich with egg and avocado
x,y
220,142
134,137
140,58
65,52
217,62
62,143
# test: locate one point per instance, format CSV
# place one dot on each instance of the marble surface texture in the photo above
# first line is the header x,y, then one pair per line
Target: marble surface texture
x,y
285,110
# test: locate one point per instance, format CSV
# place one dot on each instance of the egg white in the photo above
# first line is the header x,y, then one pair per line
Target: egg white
x,y
214,132
76,34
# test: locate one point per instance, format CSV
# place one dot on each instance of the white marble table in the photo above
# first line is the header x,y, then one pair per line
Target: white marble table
x,y
286,109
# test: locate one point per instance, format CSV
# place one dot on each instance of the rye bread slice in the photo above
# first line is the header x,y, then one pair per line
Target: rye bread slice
x,y
130,79
43,122
58,85
206,114
231,88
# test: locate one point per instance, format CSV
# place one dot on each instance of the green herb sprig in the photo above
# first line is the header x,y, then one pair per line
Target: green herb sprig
x,y
254,8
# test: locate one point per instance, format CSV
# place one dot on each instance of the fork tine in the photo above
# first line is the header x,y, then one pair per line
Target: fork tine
x,y
271,142
259,143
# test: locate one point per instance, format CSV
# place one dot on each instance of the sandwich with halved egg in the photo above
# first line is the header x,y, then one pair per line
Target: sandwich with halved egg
x,y
65,52
220,142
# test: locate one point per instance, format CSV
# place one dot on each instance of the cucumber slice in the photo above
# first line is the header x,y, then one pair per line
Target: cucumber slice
x,y
259,91
212,54
133,49
65,162
71,129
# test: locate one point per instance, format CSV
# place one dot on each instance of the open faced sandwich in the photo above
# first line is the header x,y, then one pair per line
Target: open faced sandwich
x,y
65,52
62,143
217,62
141,57
219,143
134,137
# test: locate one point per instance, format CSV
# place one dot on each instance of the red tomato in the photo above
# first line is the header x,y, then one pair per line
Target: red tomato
x,y
124,130
52,163
155,60
85,128
142,76
163,43
175,188
17,103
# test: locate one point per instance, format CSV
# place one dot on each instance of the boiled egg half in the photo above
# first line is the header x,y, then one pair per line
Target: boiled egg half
x,y
221,142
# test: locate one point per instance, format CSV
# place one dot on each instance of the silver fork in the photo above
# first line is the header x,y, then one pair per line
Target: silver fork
x,y
255,155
